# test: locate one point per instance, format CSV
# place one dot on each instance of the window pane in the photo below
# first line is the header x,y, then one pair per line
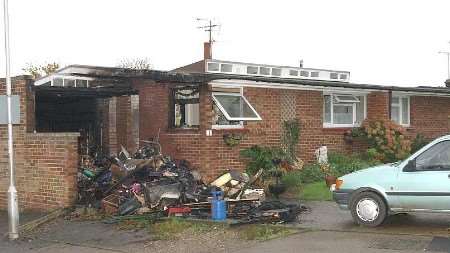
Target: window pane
x,y
314,74
304,73
69,83
81,83
346,99
235,106
226,68
360,108
435,158
342,76
405,111
343,114
395,100
333,75
276,72
57,82
264,71
252,70
220,119
213,66
293,72
395,114
192,112
327,109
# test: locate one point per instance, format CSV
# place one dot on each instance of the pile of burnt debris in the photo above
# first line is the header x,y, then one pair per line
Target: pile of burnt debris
x,y
149,182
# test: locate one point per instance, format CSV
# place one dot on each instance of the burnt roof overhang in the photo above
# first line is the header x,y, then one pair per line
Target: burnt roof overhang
x,y
116,76
91,92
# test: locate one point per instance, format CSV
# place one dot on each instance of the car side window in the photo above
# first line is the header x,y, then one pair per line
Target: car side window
x,y
435,158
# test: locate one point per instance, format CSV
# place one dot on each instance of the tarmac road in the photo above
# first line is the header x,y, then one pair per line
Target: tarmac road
x,y
324,229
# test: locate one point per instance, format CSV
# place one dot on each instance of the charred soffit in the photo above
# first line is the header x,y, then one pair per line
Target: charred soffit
x,y
98,88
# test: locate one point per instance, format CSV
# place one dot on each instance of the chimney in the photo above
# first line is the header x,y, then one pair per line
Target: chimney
x,y
447,83
207,50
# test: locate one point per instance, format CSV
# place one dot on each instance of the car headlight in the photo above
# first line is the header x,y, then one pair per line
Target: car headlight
x,y
338,184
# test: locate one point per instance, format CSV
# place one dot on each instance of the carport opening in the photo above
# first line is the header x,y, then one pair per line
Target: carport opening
x,y
91,111
56,114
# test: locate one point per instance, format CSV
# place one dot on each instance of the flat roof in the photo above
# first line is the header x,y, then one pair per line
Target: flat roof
x,y
201,78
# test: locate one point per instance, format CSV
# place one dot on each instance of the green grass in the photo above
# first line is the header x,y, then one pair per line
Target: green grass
x,y
264,232
315,191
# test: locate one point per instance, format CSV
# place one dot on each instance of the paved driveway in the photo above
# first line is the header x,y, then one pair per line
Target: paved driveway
x,y
327,216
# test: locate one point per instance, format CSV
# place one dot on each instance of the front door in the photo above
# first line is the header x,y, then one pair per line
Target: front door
x,y
427,187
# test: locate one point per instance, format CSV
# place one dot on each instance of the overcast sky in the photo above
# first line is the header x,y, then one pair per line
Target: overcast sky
x,y
379,42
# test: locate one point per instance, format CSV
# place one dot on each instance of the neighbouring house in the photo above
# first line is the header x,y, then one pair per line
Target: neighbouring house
x,y
81,110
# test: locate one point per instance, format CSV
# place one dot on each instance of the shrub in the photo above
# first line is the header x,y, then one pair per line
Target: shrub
x,y
290,138
387,139
345,164
261,158
292,179
418,142
311,173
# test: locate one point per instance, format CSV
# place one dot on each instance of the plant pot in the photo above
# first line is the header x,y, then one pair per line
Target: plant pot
x,y
348,138
277,189
329,180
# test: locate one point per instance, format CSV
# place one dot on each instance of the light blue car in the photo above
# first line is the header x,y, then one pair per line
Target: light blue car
x,y
420,183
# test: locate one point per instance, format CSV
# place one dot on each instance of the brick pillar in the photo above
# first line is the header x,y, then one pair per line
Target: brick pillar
x,y
112,132
378,106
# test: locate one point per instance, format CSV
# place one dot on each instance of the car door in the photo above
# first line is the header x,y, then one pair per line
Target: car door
x,y
425,182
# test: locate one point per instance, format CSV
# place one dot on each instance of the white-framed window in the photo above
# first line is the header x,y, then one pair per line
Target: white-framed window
x,y
344,110
231,109
400,110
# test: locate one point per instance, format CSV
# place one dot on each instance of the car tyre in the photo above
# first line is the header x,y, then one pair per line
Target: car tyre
x,y
368,209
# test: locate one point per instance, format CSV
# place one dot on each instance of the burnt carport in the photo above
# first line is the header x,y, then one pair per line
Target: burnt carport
x,y
104,110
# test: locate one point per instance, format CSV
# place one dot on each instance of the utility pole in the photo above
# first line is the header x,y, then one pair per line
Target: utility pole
x,y
13,205
208,28
448,62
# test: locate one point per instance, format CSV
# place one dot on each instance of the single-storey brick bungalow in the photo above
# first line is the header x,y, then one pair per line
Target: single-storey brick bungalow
x,y
80,109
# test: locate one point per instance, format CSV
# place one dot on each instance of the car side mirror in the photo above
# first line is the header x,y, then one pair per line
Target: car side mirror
x,y
410,166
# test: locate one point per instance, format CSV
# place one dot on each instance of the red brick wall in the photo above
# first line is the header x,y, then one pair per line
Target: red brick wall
x,y
429,116
46,164
213,157
211,154
378,105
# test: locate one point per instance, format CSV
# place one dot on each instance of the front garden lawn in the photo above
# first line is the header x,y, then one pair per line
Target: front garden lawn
x,y
315,191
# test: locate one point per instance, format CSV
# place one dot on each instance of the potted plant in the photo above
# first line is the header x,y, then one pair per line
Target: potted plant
x,y
277,188
232,139
326,170
348,137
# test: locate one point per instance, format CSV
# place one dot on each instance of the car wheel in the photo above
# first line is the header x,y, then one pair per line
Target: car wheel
x,y
368,209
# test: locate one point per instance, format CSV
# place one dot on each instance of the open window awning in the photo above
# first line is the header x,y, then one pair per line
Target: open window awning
x,y
235,107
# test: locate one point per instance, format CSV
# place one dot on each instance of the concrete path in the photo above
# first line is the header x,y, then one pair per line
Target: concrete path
x,y
23,218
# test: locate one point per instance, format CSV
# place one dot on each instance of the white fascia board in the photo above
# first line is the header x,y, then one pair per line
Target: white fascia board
x,y
418,94
49,78
43,80
227,83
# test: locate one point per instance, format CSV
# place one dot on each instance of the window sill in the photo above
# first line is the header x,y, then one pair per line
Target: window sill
x,y
328,126
227,127
183,130
231,130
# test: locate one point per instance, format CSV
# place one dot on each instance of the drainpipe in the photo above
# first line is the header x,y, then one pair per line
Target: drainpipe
x,y
390,104
13,205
